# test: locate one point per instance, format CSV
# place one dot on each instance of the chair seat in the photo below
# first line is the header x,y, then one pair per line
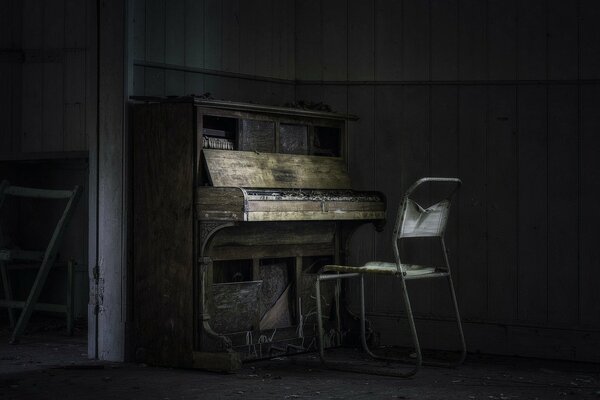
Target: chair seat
x,y
382,267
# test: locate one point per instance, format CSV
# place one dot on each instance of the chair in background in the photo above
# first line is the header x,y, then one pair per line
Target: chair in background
x,y
14,259
412,222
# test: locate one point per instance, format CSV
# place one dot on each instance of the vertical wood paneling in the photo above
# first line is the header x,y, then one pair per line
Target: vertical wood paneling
x,y
155,31
533,205
502,195
194,33
531,34
309,40
362,155
444,162
414,153
361,31
6,133
52,110
264,47
562,39
74,100
175,32
388,40
5,25
31,123
194,83
213,25
139,29
415,40
231,35
247,38
390,139
472,270
174,83
472,57
75,26
52,79
154,81
31,134
335,39
563,205
502,39
589,16
444,39
139,81
589,251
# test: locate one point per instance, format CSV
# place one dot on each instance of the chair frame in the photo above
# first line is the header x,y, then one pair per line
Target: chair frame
x,y
404,277
46,259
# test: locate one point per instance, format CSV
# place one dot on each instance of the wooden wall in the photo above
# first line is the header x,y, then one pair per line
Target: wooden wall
x,y
48,115
504,95
46,76
233,49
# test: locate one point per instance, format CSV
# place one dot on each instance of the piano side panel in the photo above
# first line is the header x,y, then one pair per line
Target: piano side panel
x,y
163,248
219,204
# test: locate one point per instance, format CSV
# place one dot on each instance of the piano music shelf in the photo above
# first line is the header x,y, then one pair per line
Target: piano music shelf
x,y
267,134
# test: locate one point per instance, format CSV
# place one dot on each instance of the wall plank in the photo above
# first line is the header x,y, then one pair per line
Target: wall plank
x,y
532,204
563,189
472,204
472,36
231,36
175,32
502,39
444,162
139,30
589,181
361,31
415,40
444,40
562,40
194,33
388,40
589,29
362,157
335,39
531,37
213,25
309,40
155,31
502,195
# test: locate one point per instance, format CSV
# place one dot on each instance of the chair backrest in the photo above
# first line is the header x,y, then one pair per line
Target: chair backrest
x,y
414,221
71,195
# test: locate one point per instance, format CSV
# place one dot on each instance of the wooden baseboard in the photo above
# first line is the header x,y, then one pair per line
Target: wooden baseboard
x,y
550,343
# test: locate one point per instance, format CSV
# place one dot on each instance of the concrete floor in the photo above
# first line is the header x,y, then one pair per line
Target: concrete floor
x,y
49,365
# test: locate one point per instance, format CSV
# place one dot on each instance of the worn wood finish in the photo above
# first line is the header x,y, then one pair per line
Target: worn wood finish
x,y
163,231
249,169
236,306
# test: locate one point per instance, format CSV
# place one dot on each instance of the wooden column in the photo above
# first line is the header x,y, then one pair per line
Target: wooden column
x,y
110,298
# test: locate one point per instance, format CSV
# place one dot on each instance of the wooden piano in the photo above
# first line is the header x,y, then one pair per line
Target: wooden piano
x,y
235,208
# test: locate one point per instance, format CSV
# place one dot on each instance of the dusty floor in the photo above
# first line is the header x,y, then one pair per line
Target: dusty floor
x,y
49,365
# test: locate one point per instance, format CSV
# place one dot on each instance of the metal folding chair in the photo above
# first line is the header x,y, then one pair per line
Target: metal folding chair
x,y
44,259
412,222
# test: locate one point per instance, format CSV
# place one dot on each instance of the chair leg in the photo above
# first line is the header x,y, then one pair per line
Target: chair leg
x,y
70,293
345,366
463,349
7,292
413,330
319,320
34,294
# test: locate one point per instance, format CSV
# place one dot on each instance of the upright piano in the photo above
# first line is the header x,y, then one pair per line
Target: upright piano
x,y
236,207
